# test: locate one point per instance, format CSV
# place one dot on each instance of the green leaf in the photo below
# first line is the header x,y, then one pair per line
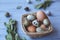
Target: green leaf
x,y
12,21
7,25
44,5
11,27
9,37
12,30
39,6
17,37
23,38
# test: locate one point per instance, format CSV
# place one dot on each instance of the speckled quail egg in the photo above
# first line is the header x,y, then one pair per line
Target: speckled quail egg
x,y
31,28
38,29
26,22
35,23
46,22
43,27
30,17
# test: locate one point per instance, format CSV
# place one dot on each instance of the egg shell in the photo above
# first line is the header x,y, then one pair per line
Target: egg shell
x,y
31,17
31,28
26,22
41,16
38,29
35,23
43,27
46,22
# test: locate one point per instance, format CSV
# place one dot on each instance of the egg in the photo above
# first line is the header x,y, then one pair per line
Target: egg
x,y
38,29
40,15
43,27
26,22
30,17
46,22
31,28
35,23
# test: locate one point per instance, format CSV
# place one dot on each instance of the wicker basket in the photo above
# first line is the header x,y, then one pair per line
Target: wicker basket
x,y
35,34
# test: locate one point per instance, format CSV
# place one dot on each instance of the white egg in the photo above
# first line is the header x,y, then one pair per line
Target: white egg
x,y
30,17
38,29
35,23
46,22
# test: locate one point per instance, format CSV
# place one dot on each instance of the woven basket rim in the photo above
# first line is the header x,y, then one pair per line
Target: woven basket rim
x,y
45,32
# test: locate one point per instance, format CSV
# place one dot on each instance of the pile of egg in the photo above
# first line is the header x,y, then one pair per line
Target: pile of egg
x,y
37,23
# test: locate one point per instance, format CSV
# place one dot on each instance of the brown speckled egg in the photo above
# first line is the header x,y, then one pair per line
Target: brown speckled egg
x,y
43,27
31,28
40,15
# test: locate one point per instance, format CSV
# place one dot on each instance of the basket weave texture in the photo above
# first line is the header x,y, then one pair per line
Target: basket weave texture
x,y
35,34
